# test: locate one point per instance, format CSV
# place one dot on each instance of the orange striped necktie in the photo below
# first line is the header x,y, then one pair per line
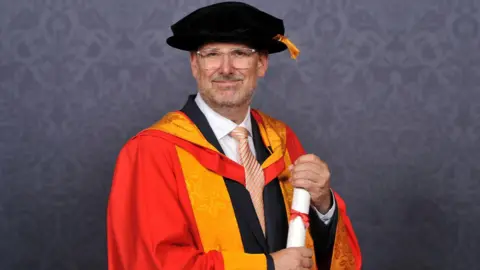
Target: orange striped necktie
x,y
254,178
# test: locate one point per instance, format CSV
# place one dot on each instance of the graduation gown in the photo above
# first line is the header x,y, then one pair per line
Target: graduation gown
x,y
177,202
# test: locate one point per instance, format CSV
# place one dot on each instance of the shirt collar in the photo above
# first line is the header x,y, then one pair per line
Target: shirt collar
x,y
221,125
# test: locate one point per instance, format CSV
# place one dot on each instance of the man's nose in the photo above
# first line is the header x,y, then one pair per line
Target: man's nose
x,y
226,64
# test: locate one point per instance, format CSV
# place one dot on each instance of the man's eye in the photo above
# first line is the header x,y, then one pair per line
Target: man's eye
x,y
211,54
240,53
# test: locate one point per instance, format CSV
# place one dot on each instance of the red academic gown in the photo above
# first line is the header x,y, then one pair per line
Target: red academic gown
x,y
177,202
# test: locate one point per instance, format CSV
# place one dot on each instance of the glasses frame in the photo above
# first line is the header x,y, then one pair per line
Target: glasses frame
x,y
202,56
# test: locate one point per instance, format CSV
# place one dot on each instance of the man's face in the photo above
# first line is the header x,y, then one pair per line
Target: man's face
x,y
227,74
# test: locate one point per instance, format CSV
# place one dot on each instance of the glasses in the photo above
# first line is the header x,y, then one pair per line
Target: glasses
x,y
240,58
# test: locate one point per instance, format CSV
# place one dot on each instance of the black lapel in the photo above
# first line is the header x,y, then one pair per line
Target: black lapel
x,y
250,230
275,213
260,150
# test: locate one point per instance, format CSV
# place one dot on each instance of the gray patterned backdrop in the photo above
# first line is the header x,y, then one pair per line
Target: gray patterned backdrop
x,y
386,91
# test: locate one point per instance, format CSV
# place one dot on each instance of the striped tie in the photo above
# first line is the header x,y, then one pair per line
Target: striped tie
x,y
254,178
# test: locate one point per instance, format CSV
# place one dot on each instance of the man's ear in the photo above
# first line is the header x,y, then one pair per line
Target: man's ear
x,y
194,64
262,64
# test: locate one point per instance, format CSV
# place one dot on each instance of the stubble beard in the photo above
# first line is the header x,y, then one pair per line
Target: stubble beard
x,y
238,100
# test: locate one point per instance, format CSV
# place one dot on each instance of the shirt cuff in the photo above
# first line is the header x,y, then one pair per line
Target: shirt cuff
x,y
328,216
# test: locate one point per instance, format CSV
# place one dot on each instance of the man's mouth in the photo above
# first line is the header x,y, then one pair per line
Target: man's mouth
x,y
227,83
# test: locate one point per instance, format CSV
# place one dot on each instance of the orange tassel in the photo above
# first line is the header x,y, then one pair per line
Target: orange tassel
x,y
294,51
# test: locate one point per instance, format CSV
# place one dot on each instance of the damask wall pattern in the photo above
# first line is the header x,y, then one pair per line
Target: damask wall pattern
x,y
387,92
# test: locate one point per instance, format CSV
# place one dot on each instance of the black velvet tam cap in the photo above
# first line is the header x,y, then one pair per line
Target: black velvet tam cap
x,y
231,22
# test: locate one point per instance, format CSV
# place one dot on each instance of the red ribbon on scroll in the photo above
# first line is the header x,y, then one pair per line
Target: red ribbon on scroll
x,y
303,216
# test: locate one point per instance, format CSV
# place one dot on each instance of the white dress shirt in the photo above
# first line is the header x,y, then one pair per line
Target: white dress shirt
x,y
222,127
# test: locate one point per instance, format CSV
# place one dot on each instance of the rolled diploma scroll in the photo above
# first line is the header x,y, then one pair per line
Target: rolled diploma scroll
x,y
296,229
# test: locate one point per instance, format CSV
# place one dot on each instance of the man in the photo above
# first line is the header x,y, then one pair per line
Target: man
x,y
210,186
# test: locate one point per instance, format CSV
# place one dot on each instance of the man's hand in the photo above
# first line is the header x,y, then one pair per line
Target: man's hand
x,y
312,174
295,258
